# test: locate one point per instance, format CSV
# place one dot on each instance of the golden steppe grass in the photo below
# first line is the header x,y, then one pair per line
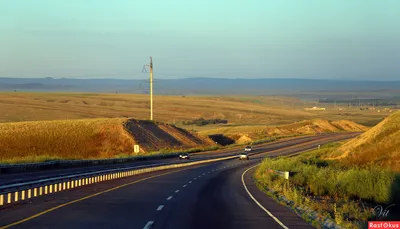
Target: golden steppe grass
x,y
238,110
91,138
67,139
378,146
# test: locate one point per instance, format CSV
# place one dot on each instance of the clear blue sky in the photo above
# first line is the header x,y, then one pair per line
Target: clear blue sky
x,y
343,39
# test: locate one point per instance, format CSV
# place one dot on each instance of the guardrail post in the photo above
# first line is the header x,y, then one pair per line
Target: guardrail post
x,y
15,196
68,184
45,190
23,195
80,180
35,192
40,191
1,199
9,198
29,193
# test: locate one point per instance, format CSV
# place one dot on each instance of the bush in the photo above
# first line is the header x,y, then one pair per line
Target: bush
x,y
203,122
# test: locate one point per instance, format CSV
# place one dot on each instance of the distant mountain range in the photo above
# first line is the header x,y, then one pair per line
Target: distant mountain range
x,y
202,86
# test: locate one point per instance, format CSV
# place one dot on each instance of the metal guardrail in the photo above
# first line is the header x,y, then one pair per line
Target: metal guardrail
x,y
13,193
4,168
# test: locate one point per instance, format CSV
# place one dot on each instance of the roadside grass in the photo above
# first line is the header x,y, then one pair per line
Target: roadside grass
x,y
31,159
344,195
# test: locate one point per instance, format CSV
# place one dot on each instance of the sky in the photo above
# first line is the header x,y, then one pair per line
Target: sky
x,y
331,39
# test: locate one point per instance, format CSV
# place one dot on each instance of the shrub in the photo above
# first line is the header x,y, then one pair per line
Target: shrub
x,y
203,122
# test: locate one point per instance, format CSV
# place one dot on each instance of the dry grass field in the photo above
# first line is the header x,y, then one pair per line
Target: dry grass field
x,y
18,106
82,125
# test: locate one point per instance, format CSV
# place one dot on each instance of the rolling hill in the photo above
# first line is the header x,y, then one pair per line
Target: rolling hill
x,y
90,138
242,134
378,146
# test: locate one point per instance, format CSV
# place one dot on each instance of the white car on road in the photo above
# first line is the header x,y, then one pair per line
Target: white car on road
x,y
184,156
243,156
247,149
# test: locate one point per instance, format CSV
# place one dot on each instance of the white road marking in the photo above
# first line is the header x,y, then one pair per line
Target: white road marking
x,y
262,207
190,182
148,225
176,191
195,178
184,186
204,174
160,207
169,197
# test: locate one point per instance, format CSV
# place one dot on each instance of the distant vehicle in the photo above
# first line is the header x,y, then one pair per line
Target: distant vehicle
x,y
247,149
243,156
184,156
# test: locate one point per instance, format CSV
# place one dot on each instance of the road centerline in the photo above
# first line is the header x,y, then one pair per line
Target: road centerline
x,y
148,225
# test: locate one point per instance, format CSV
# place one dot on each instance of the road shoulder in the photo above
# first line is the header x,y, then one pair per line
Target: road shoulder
x,y
284,214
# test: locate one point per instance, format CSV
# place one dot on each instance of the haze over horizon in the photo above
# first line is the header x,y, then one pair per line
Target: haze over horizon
x,y
340,39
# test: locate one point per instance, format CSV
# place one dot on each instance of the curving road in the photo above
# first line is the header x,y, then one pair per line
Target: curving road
x,y
216,195
30,176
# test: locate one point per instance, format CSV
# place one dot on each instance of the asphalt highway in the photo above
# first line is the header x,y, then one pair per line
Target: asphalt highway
x,y
30,176
216,195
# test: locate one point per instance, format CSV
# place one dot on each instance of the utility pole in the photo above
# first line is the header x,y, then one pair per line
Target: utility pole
x,y
151,85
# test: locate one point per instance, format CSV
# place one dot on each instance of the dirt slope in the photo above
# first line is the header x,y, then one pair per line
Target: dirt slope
x,y
379,145
89,138
153,137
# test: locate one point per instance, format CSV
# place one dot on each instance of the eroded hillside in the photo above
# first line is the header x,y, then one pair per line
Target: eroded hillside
x,y
90,138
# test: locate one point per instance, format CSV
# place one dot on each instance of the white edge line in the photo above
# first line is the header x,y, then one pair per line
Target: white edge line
x,y
160,207
177,191
148,225
262,207
184,186
169,197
